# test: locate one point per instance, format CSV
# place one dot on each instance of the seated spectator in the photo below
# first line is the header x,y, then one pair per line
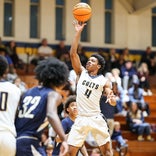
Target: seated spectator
x,y
128,72
61,50
46,142
81,53
135,94
149,58
126,55
1,44
44,51
112,59
108,111
11,71
143,75
12,52
136,123
116,75
117,135
49,149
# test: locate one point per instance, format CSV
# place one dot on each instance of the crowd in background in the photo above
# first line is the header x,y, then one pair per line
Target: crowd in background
x,y
129,80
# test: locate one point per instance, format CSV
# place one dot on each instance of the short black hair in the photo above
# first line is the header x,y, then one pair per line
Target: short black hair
x,y
3,65
101,61
71,98
52,72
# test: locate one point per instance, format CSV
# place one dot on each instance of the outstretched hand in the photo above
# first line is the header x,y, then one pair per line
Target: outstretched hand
x,y
111,99
78,26
64,149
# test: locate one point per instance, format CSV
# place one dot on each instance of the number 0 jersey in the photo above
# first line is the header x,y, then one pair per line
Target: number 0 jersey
x,y
32,112
89,91
9,99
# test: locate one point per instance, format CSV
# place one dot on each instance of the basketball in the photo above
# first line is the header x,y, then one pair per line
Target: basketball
x,y
82,12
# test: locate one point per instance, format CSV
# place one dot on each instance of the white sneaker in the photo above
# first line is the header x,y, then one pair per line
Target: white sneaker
x,y
145,93
149,93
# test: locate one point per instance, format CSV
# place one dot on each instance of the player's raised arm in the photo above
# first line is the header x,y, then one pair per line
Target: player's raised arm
x,y
76,63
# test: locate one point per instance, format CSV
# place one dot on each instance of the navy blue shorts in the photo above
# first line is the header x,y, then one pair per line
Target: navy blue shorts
x,y
29,147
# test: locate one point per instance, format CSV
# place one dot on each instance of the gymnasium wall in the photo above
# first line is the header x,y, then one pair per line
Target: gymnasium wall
x,y
129,30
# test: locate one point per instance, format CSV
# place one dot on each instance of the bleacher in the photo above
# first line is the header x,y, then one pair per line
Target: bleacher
x,y
135,148
143,148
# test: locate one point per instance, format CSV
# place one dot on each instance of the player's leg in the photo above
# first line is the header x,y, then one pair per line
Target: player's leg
x,y
77,135
7,143
101,134
73,150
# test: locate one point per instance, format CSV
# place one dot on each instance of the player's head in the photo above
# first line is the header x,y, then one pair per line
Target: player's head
x,y
52,72
70,104
96,62
3,66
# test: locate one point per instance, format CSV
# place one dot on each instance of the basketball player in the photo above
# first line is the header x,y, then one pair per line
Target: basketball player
x,y
71,110
91,85
39,103
9,99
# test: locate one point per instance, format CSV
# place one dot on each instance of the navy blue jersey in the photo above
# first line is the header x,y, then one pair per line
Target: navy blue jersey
x,y
32,112
67,124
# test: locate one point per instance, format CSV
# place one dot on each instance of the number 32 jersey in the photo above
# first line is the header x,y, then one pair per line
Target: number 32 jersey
x,y
32,112
89,91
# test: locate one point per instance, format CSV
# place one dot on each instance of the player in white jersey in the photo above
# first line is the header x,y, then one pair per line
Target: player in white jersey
x,y
9,99
91,85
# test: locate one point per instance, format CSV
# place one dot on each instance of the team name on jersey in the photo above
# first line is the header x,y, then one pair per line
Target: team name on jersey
x,y
90,84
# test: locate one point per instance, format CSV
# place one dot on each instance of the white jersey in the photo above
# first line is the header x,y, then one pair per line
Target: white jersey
x,y
9,99
89,91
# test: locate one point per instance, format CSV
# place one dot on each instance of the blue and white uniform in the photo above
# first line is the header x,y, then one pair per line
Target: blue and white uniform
x,y
29,122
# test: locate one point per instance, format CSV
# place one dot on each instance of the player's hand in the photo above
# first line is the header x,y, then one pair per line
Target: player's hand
x,y
111,99
78,26
64,149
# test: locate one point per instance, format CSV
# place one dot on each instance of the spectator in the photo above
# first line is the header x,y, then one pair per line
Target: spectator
x,y
46,140
49,149
108,111
128,72
117,135
61,50
135,94
116,75
11,75
136,123
82,56
126,55
1,44
112,59
143,75
148,58
12,52
44,51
